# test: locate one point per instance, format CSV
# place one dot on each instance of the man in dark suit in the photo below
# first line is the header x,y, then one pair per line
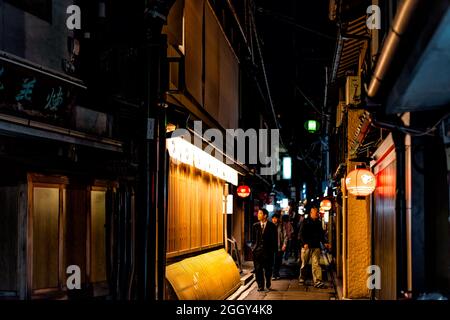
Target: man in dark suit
x,y
264,246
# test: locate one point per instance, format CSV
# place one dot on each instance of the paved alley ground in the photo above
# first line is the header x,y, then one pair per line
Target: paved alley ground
x,y
288,288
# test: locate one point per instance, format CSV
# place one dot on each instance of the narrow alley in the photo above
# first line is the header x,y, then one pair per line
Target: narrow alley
x,y
288,287
195,151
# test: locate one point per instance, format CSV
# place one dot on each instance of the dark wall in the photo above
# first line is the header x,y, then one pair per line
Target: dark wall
x,y
436,216
30,32
8,237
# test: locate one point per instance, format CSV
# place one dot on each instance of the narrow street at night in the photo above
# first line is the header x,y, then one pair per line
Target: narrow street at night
x,y
223,157
288,287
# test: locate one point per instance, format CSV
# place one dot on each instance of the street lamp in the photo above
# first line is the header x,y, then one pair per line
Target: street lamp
x,y
326,205
360,182
312,126
243,191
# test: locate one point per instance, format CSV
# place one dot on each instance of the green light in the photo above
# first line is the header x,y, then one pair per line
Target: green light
x,y
312,126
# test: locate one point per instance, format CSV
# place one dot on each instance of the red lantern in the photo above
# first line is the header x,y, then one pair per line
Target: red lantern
x,y
325,204
360,182
243,191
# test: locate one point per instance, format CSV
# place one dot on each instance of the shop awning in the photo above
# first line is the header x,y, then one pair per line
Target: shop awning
x,y
350,43
16,126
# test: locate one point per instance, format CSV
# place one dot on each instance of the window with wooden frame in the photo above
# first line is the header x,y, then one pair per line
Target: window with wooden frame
x,y
97,235
45,221
66,227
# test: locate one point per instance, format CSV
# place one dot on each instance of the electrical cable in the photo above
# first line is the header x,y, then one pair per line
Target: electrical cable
x,y
309,101
253,25
291,21
429,130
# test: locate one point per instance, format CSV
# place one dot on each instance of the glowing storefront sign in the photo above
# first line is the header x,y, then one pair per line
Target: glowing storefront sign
x,y
185,152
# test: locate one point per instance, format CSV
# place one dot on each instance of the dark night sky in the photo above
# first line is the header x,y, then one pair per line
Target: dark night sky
x,y
298,43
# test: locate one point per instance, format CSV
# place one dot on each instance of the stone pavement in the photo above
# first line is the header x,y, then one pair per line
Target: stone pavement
x,y
288,288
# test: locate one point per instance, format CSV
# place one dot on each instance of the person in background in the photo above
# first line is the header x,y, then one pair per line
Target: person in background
x,y
288,230
282,240
311,235
264,246
295,249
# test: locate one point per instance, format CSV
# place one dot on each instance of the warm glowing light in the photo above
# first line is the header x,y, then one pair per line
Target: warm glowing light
x,y
243,191
360,182
325,204
185,152
170,127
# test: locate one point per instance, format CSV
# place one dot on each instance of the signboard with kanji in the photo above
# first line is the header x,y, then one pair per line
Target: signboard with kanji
x,y
37,95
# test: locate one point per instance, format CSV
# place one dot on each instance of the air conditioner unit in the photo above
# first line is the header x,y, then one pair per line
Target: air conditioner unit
x,y
353,90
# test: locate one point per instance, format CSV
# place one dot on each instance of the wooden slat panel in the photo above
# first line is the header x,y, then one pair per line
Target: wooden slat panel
x,y
8,238
195,219
22,212
45,238
212,212
184,215
171,223
221,73
76,228
205,213
194,48
385,253
98,237
195,216
212,64
218,212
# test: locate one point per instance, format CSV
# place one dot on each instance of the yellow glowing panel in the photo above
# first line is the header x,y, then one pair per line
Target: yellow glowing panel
x,y
209,276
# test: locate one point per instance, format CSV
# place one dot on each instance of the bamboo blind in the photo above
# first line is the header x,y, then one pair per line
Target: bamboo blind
x,y
195,204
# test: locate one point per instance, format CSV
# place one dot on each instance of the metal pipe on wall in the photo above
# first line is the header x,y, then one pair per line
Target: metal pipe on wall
x,y
161,204
402,22
400,214
344,239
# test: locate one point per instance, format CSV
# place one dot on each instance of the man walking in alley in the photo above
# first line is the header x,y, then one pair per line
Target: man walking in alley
x,y
282,240
264,247
311,235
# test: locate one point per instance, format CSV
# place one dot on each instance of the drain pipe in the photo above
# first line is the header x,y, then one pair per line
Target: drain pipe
x,y
403,20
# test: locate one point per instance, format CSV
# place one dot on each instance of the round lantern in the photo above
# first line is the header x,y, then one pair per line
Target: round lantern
x,y
312,126
325,204
360,182
243,191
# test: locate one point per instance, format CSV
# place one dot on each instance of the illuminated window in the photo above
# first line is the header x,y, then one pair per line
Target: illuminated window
x,y
46,212
68,228
287,168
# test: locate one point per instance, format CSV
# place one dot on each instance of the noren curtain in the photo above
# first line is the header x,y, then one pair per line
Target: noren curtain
x,y
195,205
